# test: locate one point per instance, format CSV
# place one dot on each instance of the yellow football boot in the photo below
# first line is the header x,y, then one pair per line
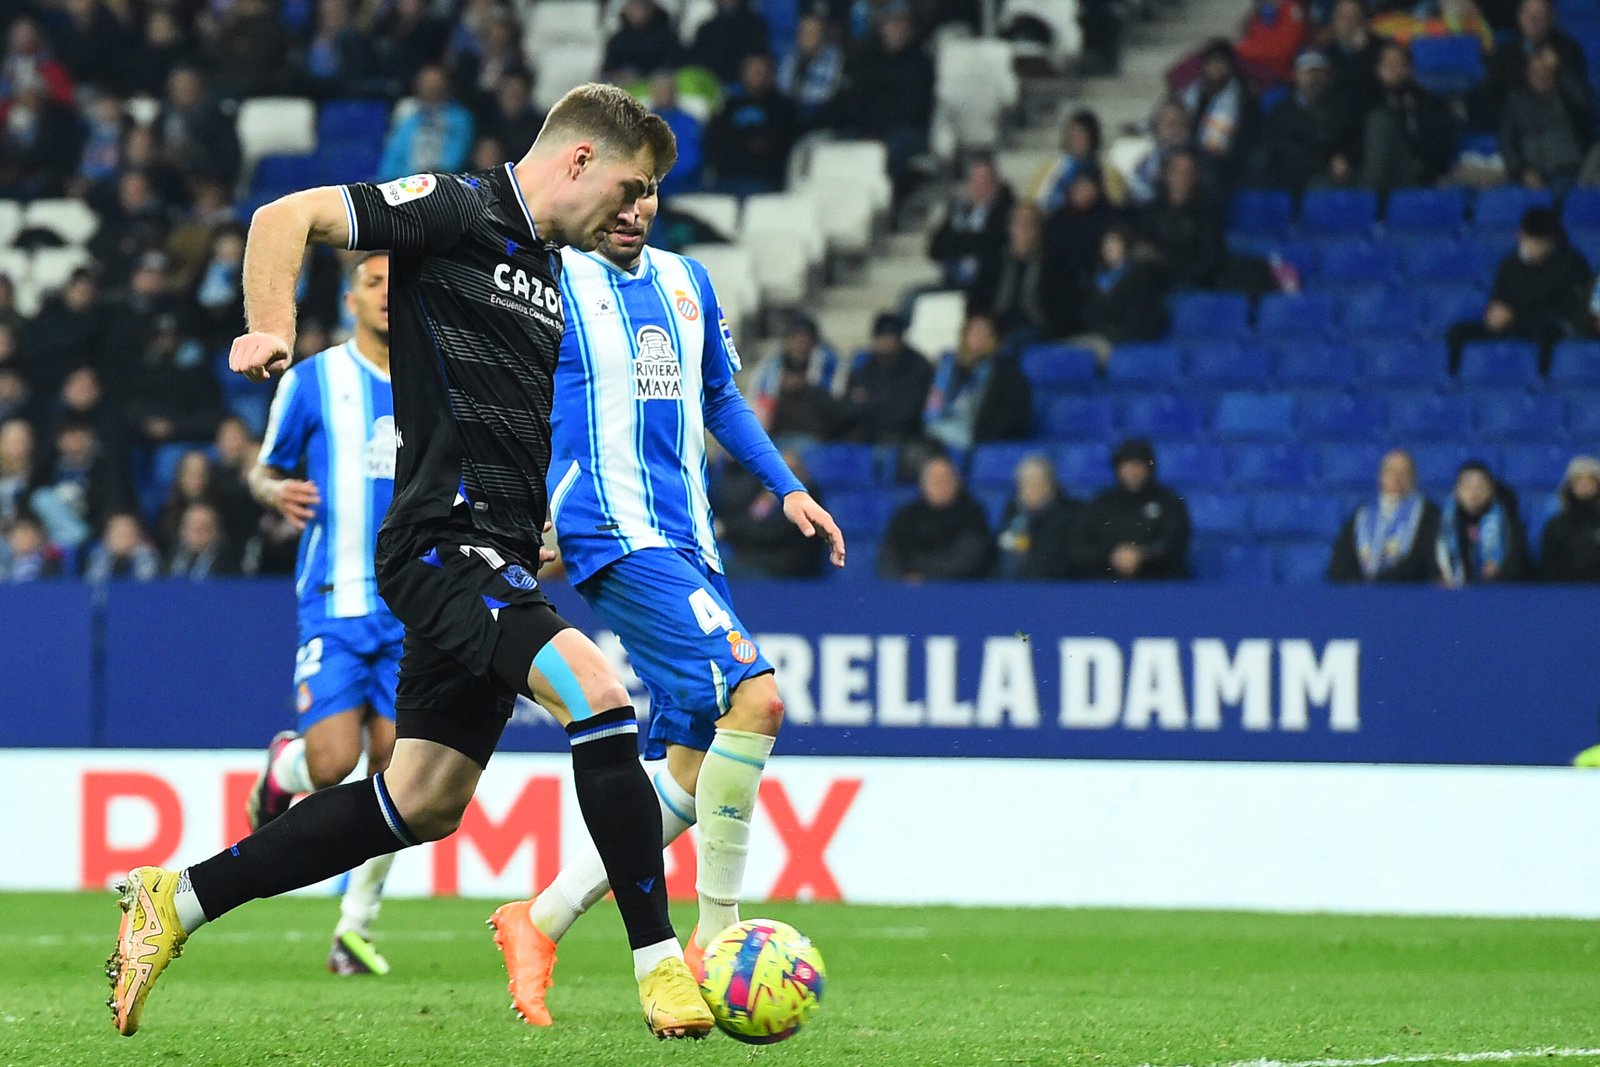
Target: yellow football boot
x,y
673,1006
150,938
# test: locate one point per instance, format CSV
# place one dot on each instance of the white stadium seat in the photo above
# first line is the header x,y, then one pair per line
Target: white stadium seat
x,y
70,220
143,110
863,162
1061,16
782,268
553,23
791,213
10,221
976,84
717,210
16,265
693,15
51,267
1128,151
845,213
561,69
276,126
936,319
733,276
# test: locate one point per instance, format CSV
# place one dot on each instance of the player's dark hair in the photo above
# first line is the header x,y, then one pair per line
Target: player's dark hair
x,y
613,119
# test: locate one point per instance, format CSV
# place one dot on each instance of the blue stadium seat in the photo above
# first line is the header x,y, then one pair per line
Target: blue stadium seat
x,y
1582,210
1189,466
995,466
1271,466
1500,363
1429,259
1295,514
1356,261
1403,362
1254,417
1304,563
1499,210
1241,563
252,408
1310,315
1426,416
1514,415
1077,418
1575,363
1534,465
1160,415
349,163
1218,513
861,513
1228,363
360,122
1332,416
1583,415
1437,464
1260,213
994,503
1446,305
1313,363
1056,366
1212,315
1084,467
1427,211
1347,212
842,466
1157,363
1449,65
1380,311
1349,466
277,176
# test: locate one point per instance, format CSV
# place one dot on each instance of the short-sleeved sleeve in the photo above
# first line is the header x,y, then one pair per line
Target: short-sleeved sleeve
x,y
289,421
420,213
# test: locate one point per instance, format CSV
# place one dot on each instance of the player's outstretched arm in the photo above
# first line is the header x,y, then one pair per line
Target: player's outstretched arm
x,y
279,234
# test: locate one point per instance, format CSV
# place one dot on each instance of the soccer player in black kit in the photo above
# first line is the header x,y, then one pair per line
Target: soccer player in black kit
x,y
476,322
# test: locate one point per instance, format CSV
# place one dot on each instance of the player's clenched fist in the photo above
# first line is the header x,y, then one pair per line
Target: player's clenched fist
x,y
258,356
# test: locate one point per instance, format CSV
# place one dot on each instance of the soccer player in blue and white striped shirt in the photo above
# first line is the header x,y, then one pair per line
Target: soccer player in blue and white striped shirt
x,y
646,369
333,416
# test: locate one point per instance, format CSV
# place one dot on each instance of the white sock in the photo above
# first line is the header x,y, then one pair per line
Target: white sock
x,y
363,896
582,883
190,914
725,800
648,958
289,771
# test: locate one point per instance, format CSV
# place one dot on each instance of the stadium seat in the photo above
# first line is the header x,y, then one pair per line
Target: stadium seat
x,y
1161,416
865,163
975,83
1313,363
1305,562
1157,363
1583,417
717,210
1449,65
1349,466
1445,305
845,213
252,408
552,24
1260,213
1500,363
1254,417
1217,513
70,220
363,122
1309,315
276,126
1084,468
1514,415
791,214
842,466
860,513
737,289
1403,362
936,319
1357,261
10,221
50,268
1228,363
1058,366
1210,315
1534,464
1432,212
1328,416
1426,416
1499,210
1271,466
1060,17
1575,363
1437,464
1380,311
1430,259
1188,466
278,175
782,267
1075,418
1581,210
348,163
995,465
1294,514
1241,563
1345,212
561,69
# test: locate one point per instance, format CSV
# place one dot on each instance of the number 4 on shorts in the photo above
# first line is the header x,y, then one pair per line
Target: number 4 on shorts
x,y
708,613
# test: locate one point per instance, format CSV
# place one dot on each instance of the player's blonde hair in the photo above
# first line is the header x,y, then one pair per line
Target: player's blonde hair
x,y
613,119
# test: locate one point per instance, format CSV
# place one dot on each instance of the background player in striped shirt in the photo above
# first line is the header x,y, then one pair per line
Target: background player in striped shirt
x,y
647,366
333,420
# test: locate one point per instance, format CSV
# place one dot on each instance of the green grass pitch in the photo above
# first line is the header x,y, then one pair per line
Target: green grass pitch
x,y
924,986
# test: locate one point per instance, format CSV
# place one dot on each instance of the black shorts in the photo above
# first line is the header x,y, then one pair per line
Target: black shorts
x,y
475,618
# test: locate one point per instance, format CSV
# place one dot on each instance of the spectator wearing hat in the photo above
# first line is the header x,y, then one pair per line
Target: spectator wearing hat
x,y
797,387
1572,536
941,535
979,393
1037,529
1481,537
1307,140
1391,539
971,238
887,388
1539,291
1138,528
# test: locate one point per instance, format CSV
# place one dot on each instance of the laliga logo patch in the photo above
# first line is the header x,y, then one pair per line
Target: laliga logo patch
x,y
744,650
686,305
414,187
656,374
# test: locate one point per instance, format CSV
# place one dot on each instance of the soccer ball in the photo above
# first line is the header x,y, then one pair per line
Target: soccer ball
x,y
763,980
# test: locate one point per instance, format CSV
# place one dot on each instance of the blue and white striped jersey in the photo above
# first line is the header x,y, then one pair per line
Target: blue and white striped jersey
x,y
334,413
646,368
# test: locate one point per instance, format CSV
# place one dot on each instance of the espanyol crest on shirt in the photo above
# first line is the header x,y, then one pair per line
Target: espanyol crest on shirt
x,y
686,305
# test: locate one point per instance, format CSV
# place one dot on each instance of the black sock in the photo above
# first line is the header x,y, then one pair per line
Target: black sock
x,y
327,833
624,818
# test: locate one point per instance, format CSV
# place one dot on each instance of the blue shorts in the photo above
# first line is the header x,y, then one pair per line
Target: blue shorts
x,y
674,616
346,663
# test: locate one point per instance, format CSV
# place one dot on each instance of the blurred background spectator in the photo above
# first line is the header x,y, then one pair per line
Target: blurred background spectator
x,y
1481,537
1138,528
1039,524
1571,539
941,535
979,393
766,544
1538,292
1392,538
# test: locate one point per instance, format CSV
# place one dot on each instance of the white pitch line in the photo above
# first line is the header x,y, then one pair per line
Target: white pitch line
x,y
1439,1057
241,937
